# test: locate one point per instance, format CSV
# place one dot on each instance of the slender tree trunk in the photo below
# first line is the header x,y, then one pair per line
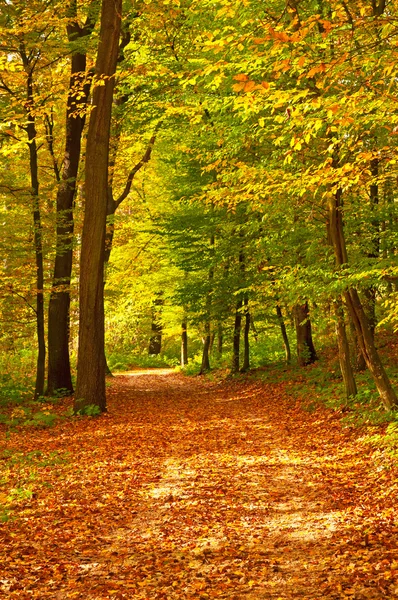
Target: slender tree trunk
x,y
184,344
90,388
205,366
38,231
246,343
155,341
355,308
286,344
306,354
346,367
59,373
369,303
344,352
236,337
219,340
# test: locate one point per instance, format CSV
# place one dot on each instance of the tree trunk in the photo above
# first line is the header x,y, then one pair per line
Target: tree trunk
x,y
246,343
344,352
38,231
219,340
59,373
355,308
306,354
358,359
205,366
285,338
212,338
90,388
155,341
236,337
184,344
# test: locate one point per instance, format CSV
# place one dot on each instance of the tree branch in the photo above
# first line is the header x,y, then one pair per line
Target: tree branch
x,y
145,159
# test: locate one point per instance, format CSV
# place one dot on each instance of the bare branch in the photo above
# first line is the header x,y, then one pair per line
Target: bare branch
x,y
145,159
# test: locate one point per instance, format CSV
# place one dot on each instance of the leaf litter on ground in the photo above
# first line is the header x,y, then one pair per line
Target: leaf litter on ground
x,y
197,489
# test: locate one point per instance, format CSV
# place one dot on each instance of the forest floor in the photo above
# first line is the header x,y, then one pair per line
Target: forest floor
x,y
197,489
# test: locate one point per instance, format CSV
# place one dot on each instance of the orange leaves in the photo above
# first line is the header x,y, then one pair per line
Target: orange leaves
x,y
245,84
321,68
195,489
241,77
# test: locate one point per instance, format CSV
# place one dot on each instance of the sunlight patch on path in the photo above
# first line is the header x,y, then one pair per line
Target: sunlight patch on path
x,y
136,373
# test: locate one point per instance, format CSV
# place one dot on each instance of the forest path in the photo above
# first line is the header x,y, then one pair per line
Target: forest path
x,y
197,489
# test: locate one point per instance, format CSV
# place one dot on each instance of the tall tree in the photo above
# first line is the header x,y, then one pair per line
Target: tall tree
x,y
59,372
90,386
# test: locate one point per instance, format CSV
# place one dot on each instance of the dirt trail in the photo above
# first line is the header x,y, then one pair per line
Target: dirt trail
x,y
192,489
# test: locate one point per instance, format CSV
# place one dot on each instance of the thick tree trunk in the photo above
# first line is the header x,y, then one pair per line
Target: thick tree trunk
x,y
286,344
306,354
184,344
59,373
355,308
344,352
90,388
236,337
246,343
359,363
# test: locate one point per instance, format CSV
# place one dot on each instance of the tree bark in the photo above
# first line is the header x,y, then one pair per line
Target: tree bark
x,y
38,230
286,344
246,343
344,352
205,366
358,359
219,341
306,354
184,344
236,337
59,373
355,308
90,387
155,341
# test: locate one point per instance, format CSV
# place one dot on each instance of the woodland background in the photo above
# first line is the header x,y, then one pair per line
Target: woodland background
x,y
249,185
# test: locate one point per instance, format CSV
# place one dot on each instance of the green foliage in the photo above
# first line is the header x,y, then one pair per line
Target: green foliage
x,y
16,374
193,366
120,362
26,416
29,467
35,457
91,410
387,442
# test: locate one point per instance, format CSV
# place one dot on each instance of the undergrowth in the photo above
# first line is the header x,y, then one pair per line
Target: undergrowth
x,y
20,477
